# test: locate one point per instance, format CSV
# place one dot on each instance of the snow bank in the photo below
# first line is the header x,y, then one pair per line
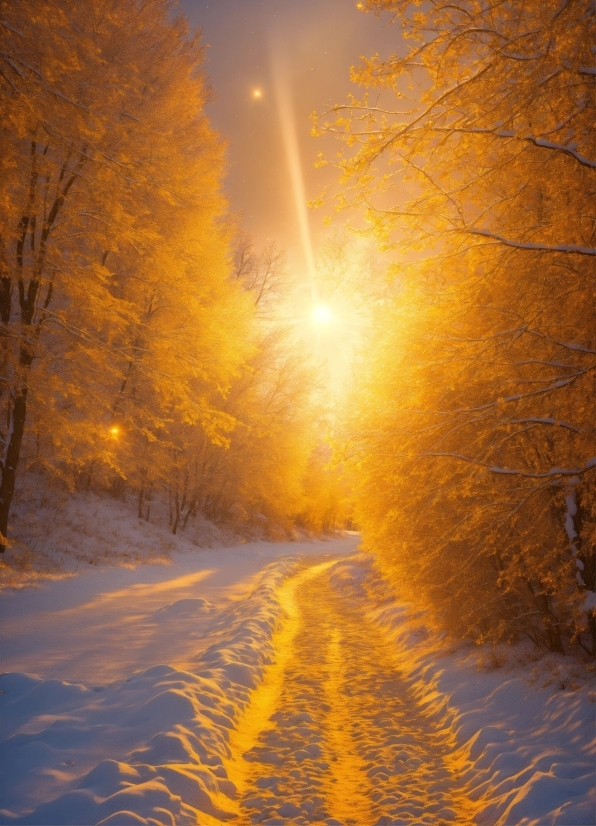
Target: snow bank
x,y
145,750
523,733
53,532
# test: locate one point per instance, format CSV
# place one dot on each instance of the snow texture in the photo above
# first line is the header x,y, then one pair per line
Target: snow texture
x,y
185,647
525,735
148,748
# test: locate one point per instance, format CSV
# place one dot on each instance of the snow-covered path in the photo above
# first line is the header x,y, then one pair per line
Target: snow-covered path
x,y
333,733
274,683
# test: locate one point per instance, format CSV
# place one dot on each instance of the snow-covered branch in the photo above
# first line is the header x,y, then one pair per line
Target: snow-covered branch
x,y
579,348
5,25
570,249
548,420
554,472
510,134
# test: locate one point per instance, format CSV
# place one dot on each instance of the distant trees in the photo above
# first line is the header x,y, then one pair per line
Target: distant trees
x,y
257,474
473,431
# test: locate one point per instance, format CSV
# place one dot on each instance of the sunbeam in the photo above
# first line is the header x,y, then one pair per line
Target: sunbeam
x,y
285,109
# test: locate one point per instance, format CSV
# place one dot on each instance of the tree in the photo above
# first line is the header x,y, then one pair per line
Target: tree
x,y
482,432
113,253
255,476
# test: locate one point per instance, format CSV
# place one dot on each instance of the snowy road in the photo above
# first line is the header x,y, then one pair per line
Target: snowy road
x,y
333,733
274,683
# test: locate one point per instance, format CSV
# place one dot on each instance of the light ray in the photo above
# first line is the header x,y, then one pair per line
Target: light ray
x,y
285,109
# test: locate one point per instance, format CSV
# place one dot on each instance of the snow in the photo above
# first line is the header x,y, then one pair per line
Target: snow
x,y
223,683
105,726
524,731
567,149
566,248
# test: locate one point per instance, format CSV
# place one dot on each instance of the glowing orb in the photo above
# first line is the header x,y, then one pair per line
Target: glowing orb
x,y
114,431
257,94
321,314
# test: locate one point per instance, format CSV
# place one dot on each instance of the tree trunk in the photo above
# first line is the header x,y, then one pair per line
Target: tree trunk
x,y
14,440
177,516
141,495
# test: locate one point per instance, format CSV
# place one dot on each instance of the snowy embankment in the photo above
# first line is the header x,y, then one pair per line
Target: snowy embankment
x,y
523,725
101,729
149,748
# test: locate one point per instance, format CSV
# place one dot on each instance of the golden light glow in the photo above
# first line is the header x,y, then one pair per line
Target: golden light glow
x,y
267,697
321,314
285,109
257,94
114,431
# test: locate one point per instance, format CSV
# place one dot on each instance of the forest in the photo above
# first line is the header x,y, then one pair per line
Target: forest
x,y
297,416
471,428
147,353
143,351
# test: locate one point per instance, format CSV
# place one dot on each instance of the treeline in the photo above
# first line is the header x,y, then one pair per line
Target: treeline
x,y
137,353
472,429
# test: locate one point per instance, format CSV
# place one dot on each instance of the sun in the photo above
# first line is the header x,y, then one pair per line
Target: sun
x,y
257,94
322,315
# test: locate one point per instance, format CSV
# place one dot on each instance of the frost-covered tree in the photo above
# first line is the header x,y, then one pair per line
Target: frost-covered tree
x,y
474,157
117,314
256,475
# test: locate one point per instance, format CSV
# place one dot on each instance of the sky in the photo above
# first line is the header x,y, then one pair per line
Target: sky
x,y
298,54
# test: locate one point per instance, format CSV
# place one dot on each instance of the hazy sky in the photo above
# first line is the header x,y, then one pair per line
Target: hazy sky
x,y
315,42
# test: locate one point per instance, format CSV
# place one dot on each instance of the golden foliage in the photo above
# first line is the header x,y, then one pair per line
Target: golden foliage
x,y
116,302
473,430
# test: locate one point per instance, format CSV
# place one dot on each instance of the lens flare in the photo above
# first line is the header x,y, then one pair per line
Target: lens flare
x,y
322,315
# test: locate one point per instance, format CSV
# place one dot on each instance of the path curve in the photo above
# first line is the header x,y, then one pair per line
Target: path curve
x,y
333,734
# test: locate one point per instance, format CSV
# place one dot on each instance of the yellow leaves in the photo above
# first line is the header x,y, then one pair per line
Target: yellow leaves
x,y
321,161
315,131
453,382
141,324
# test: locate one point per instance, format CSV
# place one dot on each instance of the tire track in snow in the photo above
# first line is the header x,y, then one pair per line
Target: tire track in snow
x,y
333,735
